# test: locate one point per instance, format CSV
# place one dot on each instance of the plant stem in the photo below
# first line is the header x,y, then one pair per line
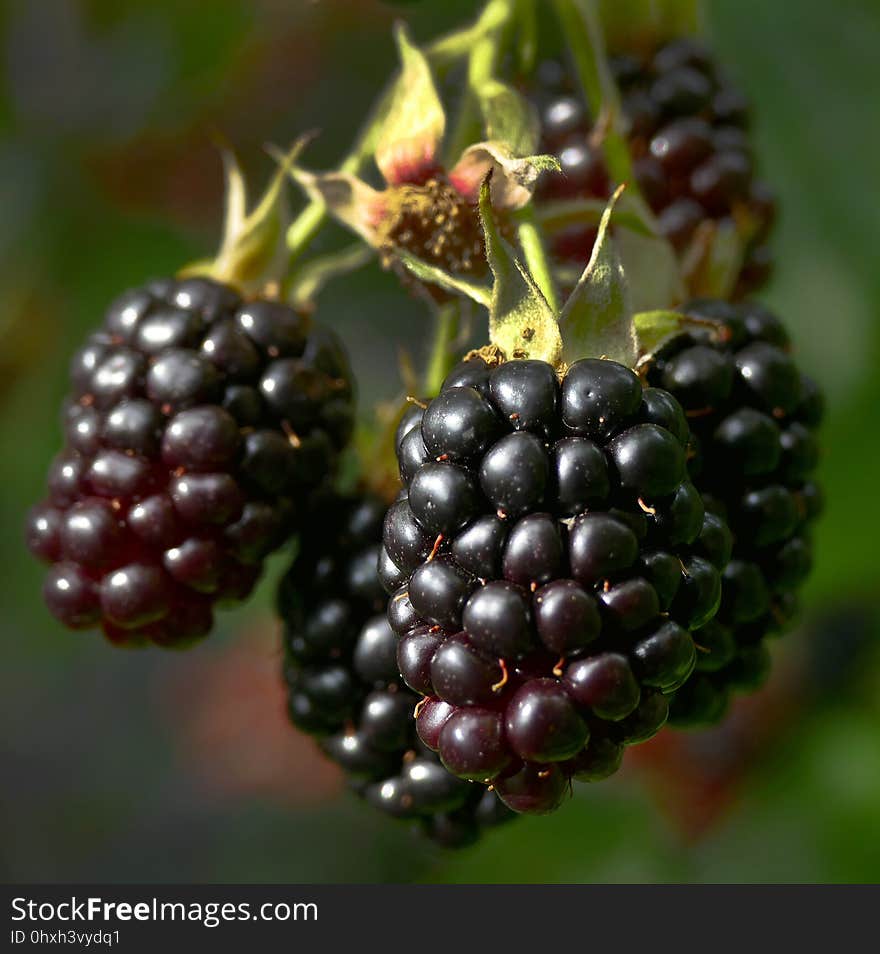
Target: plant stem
x,y
531,240
649,22
446,328
583,35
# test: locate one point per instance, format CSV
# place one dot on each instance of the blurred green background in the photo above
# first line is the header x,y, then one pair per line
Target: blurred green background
x,y
156,766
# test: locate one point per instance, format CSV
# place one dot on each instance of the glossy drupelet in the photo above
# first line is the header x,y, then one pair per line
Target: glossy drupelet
x,y
343,684
197,426
753,416
689,142
545,571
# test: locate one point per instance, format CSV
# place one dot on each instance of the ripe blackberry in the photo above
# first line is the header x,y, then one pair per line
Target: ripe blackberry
x,y
343,683
197,426
688,138
545,573
753,418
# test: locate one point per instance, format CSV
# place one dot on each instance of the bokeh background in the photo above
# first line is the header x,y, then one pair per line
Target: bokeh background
x,y
157,766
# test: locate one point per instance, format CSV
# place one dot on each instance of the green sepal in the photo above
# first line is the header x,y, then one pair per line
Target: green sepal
x,y
596,321
508,117
252,251
653,328
349,199
652,268
513,177
311,276
561,214
521,322
713,260
413,127
425,272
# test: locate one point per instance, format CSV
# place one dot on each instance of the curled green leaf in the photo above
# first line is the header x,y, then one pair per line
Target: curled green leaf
x,y
513,177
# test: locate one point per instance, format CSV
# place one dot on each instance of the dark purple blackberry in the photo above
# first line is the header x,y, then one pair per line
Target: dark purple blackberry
x,y
548,572
688,139
341,671
753,418
197,427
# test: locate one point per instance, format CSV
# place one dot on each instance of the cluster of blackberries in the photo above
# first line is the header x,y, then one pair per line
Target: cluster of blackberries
x,y
197,426
547,560
753,417
690,149
343,682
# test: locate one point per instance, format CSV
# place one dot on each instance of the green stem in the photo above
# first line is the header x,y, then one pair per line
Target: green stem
x,y
647,23
455,46
531,240
469,122
583,35
441,358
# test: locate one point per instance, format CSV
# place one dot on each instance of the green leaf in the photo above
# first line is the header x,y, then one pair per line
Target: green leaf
x,y
521,322
415,122
433,275
596,320
653,328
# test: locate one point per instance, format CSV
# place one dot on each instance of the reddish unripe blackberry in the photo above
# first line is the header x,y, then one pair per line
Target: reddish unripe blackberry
x,y
753,417
548,571
689,143
197,427
341,673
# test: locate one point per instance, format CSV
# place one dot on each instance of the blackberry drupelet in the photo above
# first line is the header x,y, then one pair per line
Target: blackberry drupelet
x,y
197,427
544,571
691,152
343,682
753,416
